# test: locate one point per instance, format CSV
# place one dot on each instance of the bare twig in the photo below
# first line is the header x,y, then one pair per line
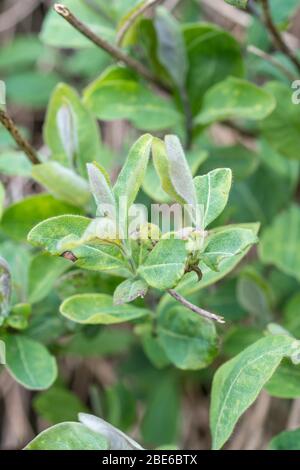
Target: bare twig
x,y
269,58
16,13
135,14
279,42
24,145
110,48
194,308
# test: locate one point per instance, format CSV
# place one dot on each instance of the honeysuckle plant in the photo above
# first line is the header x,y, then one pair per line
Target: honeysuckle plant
x,y
143,263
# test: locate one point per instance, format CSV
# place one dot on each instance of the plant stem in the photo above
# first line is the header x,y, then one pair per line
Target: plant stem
x,y
194,308
24,145
135,14
110,48
264,55
275,33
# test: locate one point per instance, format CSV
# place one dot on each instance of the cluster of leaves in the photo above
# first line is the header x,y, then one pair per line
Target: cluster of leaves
x,y
94,282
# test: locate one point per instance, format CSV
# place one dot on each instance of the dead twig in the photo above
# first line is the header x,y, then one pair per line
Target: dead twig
x,y
194,308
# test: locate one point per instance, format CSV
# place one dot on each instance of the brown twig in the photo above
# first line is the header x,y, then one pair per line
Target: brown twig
x,y
194,308
276,35
131,20
24,145
269,58
110,48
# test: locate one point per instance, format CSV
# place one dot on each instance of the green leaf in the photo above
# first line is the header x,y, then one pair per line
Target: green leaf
x,y
130,290
68,436
98,309
58,404
132,174
222,244
2,95
14,163
287,440
20,217
109,342
51,234
285,383
22,52
189,284
173,170
291,315
170,46
43,272
62,183
238,3
235,99
117,94
189,341
5,289
2,198
282,128
116,439
38,85
29,362
70,131
213,54
165,265
238,382
280,242
58,33
101,188
212,191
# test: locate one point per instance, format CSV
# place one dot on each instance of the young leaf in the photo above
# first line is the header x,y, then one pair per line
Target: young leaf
x,y
132,174
235,98
280,242
116,439
165,265
29,362
98,309
212,191
189,341
130,290
225,243
238,382
70,131
21,217
68,436
62,183
100,187
287,440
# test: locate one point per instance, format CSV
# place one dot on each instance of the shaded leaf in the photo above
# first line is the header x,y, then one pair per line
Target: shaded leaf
x,y
287,440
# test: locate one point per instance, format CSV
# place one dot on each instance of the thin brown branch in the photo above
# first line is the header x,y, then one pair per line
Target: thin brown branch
x,y
110,48
269,58
276,35
144,7
194,308
23,144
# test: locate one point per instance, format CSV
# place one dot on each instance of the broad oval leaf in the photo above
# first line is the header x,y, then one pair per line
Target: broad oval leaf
x,y
29,362
238,382
212,192
165,265
287,440
189,341
21,217
98,309
130,290
68,436
235,98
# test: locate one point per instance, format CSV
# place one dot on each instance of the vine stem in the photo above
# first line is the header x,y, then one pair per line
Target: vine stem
x,y
194,308
23,144
114,51
275,33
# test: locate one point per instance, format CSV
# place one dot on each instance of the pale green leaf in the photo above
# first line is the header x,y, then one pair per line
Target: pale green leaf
x,y
238,382
235,99
189,341
68,436
212,192
130,290
165,265
29,362
15,163
95,309
62,183
100,187
280,242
